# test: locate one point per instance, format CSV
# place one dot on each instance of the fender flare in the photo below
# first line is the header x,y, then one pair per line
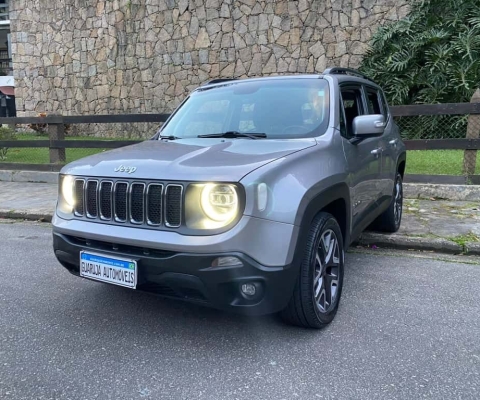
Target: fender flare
x,y
313,204
402,158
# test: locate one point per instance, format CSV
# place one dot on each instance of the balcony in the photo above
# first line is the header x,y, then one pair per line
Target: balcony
x,y
4,16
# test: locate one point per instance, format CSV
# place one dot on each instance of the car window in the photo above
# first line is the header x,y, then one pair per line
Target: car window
x,y
209,116
247,121
343,125
373,102
385,108
290,108
353,107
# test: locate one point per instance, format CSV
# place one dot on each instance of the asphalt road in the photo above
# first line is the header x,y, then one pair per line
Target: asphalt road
x,y
408,328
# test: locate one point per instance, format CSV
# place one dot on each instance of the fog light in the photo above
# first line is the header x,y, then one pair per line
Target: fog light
x,y
249,289
227,262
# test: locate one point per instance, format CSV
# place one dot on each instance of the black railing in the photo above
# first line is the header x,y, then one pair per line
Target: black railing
x,y
56,143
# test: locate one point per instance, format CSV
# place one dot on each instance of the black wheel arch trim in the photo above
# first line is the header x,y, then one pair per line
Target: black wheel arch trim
x,y
315,203
401,158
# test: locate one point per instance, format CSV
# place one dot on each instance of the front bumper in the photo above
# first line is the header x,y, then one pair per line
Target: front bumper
x,y
269,243
190,276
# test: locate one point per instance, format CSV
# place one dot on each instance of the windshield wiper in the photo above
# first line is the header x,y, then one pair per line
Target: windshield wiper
x,y
233,135
170,137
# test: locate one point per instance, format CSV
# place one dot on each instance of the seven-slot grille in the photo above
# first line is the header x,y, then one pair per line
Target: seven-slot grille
x,y
138,203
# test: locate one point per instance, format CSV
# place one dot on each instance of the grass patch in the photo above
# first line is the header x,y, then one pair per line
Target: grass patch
x,y
464,240
41,155
429,162
437,162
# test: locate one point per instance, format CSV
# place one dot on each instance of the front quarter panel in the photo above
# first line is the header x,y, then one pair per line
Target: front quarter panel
x,y
295,181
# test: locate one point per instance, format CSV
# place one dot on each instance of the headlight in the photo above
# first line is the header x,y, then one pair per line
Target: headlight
x,y
220,202
212,206
67,190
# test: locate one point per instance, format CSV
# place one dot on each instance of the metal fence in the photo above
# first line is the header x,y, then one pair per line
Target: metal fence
x,y
435,126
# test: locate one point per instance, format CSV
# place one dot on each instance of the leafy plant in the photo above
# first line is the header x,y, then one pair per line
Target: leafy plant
x,y
432,56
5,134
42,129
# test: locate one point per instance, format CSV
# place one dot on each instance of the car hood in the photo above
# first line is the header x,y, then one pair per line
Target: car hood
x,y
187,159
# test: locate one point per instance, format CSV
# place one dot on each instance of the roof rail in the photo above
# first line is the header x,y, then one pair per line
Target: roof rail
x,y
220,80
345,71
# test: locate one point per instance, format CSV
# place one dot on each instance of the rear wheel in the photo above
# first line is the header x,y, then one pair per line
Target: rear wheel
x,y
391,218
317,292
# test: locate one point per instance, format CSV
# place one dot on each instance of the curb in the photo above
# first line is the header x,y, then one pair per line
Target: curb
x,y
26,215
473,249
387,241
28,176
400,242
442,192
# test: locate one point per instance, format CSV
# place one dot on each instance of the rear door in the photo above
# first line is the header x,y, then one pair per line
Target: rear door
x,y
363,159
376,104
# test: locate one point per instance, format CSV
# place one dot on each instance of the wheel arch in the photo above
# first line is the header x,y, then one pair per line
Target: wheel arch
x,y
334,200
401,164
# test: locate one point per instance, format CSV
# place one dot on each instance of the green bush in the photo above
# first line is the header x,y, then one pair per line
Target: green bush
x,y
432,56
6,134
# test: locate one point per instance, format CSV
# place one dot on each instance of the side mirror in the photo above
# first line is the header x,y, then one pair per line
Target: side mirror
x,y
366,126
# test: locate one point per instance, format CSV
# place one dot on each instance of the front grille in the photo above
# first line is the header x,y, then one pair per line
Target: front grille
x,y
173,211
154,204
79,197
137,202
91,198
106,200
121,202
129,202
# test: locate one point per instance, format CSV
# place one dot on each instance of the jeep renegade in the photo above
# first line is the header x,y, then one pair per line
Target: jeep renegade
x,y
245,200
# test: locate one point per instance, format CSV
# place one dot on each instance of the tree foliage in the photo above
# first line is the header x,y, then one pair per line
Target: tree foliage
x,y
431,56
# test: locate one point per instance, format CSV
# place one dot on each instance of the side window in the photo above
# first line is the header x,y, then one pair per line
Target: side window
x,y
385,108
353,107
373,102
343,124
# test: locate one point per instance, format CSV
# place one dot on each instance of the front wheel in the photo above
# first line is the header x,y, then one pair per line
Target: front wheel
x,y
316,296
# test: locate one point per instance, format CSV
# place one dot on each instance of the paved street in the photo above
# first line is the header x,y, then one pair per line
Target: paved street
x,y
408,328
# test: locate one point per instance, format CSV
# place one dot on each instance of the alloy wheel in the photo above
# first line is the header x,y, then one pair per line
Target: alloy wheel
x,y
327,272
398,206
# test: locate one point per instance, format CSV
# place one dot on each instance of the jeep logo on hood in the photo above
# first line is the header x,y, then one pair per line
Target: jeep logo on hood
x,y
123,168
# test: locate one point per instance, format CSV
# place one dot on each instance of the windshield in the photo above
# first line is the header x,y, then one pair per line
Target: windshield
x,y
280,109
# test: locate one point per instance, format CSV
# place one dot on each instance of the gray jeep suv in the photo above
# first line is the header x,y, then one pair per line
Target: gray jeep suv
x,y
246,198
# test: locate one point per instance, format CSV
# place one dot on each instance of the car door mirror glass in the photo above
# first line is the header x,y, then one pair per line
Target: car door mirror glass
x,y
365,126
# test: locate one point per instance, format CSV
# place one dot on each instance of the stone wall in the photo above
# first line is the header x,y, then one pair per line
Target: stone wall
x,y
141,56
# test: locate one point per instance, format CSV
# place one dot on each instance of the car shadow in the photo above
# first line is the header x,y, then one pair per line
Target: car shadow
x,y
101,308
108,310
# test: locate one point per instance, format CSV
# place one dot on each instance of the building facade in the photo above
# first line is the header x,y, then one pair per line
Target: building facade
x,y
141,56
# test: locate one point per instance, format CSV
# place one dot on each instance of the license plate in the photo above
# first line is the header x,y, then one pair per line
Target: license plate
x,y
118,271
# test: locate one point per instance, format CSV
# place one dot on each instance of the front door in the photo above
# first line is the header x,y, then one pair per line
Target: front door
x,y
363,158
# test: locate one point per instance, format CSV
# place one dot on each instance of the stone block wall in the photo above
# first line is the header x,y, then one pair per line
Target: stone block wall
x,y
141,56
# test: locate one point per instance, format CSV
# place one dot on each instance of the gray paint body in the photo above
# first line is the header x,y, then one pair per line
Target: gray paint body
x,y
301,175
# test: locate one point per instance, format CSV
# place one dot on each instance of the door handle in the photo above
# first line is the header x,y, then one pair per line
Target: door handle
x,y
393,142
376,152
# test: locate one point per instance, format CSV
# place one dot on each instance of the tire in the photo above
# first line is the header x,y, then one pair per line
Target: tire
x,y
311,306
391,219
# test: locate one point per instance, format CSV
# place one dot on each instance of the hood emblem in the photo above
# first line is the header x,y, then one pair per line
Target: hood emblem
x,y
123,168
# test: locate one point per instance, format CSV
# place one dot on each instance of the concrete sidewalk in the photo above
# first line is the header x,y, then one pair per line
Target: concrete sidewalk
x,y
429,225
28,200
